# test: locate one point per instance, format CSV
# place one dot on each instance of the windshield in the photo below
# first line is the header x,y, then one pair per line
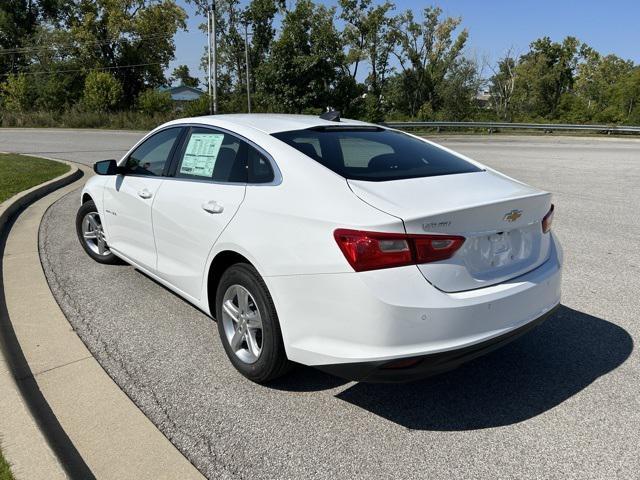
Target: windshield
x,y
374,154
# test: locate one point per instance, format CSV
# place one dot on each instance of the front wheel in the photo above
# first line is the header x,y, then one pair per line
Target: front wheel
x,y
91,234
248,325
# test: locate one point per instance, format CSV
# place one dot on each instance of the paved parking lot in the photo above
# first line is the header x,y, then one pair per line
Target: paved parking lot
x,y
562,402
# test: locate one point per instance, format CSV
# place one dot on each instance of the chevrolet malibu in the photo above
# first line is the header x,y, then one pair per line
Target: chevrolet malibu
x,y
361,250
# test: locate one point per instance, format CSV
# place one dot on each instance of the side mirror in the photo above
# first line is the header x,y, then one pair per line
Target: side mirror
x,y
106,167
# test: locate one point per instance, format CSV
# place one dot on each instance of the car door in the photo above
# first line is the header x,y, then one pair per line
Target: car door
x,y
195,204
128,197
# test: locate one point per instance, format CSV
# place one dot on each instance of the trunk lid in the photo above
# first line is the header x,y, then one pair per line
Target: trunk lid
x,y
499,217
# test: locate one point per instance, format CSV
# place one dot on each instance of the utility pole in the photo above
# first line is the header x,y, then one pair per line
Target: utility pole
x,y
215,60
246,58
212,57
209,60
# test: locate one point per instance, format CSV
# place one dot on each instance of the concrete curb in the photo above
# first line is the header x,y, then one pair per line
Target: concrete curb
x,y
82,424
27,427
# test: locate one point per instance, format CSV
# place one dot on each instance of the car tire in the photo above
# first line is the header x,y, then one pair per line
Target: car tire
x,y
91,235
243,281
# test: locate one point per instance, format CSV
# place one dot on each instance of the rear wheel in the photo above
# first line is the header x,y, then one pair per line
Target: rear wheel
x,y
248,325
91,234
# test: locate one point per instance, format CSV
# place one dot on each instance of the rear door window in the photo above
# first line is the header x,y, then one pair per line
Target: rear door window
x,y
260,169
374,154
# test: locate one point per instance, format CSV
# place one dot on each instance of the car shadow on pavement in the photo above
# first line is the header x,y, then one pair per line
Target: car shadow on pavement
x,y
524,379
306,379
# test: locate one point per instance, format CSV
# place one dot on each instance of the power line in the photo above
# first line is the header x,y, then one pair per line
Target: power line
x,y
55,72
14,51
73,44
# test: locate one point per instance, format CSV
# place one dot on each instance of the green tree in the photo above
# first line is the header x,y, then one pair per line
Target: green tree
x,y
153,101
181,74
545,74
231,20
18,21
134,38
303,68
627,94
58,75
502,85
597,78
17,94
55,91
102,92
231,54
458,90
260,15
369,34
427,52
197,107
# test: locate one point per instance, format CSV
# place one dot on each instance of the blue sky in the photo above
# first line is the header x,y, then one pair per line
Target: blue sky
x,y
495,26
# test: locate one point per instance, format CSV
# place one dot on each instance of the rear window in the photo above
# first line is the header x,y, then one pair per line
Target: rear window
x,y
374,154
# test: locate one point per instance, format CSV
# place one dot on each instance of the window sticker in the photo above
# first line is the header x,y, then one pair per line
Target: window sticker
x,y
201,154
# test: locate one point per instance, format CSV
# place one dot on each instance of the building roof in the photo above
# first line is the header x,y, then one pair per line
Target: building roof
x,y
182,93
181,88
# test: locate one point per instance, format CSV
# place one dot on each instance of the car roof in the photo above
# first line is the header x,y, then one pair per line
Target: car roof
x,y
268,122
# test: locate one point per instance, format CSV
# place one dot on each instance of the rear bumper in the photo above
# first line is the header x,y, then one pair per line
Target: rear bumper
x,y
380,316
426,365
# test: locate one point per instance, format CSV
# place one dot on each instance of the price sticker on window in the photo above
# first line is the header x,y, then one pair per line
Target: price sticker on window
x,y
201,154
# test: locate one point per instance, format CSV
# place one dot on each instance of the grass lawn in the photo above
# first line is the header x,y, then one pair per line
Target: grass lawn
x,y
5,473
19,172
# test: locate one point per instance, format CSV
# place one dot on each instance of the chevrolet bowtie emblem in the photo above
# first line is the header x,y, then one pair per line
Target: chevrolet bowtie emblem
x,y
512,216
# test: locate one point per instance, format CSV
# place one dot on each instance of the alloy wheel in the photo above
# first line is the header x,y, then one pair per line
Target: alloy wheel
x,y
93,234
242,323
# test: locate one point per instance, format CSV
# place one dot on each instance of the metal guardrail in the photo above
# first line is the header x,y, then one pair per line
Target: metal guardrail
x,y
495,126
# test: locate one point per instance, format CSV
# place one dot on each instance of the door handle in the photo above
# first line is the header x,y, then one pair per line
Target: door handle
x,y
213,207
144,193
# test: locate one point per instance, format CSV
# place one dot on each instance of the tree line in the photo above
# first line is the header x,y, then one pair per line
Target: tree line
x,y
79,57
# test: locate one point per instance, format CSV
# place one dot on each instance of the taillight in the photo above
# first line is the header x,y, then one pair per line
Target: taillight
x,y
374,250
547,220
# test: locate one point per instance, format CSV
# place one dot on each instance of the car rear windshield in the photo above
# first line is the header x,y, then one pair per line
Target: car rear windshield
x,y
374,154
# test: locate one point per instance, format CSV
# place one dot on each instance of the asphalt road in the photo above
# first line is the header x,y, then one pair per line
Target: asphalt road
x,y
562,402
81,146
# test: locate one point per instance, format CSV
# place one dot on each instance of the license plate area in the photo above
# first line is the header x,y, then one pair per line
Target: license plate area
x,y
500,249
490,257
498,253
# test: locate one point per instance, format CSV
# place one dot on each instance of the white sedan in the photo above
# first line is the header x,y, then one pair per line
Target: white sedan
x,y
357,249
